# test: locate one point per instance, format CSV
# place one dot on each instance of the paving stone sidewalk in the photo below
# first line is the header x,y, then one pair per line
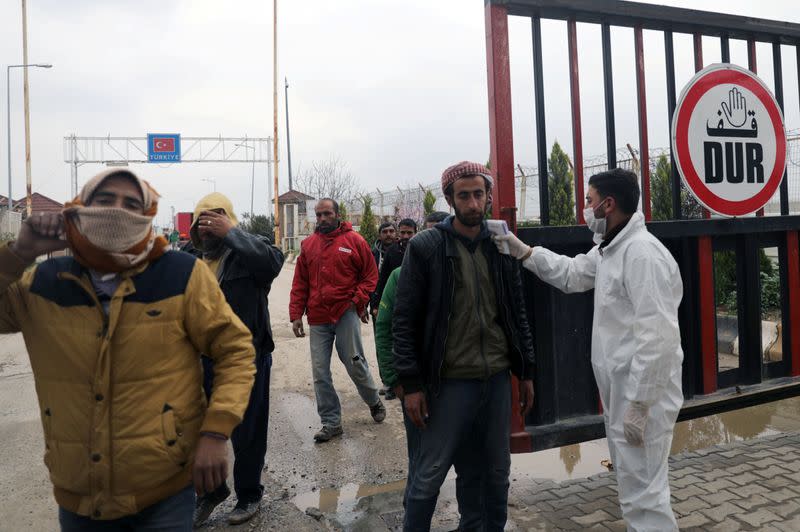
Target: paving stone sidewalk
x,y
747,485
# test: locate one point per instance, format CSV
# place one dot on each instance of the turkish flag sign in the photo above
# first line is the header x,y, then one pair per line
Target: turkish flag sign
x,y
163,144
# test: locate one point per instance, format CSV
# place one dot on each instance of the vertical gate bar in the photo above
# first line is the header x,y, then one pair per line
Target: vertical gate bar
x,y
698,66
708,314
793,296
577,137
608,83
669,52
786,302
752,65
705,255
748,300
502,158
501,131
698,52
644,148
541,130
725,49
776,62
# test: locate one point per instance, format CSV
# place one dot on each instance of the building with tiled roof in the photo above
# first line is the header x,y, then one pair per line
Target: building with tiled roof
x,y
294,196
39,203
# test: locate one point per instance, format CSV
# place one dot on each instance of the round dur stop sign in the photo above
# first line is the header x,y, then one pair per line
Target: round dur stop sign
x,y
728,140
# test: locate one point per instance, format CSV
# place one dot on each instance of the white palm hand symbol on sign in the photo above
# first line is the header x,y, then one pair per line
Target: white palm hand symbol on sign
x,y
736,108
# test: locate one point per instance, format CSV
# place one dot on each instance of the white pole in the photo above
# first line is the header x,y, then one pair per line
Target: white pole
x,y
269,179
28,200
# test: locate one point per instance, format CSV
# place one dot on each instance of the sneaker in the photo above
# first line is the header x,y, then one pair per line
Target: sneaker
x,y
327,433
206,504
382,391
390,394
378,412
243,512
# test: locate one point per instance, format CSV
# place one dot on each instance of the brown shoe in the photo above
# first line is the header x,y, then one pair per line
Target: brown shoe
x,y
243,512
327,433
378,412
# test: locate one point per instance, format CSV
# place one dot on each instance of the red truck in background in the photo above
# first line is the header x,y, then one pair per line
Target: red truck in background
x,y
183,223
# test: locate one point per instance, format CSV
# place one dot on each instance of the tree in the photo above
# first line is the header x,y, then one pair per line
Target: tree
x,y
367,228
329,179
343,212
661,190
428,203
661,194
259,224
559,183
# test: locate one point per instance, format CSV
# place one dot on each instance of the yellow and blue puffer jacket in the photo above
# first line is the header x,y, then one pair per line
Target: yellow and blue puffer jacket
x,y
120,395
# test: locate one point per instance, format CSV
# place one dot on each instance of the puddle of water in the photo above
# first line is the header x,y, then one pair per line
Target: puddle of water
x,y
562,463
344,499
583,459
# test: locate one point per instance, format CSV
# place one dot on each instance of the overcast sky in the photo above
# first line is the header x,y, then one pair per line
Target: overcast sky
x,y
396,89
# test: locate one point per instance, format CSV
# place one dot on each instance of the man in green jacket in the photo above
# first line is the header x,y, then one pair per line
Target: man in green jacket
x,y
383,335
383,346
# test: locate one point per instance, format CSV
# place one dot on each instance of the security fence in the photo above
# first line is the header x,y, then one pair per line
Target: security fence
x,y
409,202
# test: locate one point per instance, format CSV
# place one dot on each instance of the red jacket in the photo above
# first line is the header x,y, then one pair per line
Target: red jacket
x,y
332,271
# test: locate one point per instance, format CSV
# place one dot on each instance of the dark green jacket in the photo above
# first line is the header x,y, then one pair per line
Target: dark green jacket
x,y
383,331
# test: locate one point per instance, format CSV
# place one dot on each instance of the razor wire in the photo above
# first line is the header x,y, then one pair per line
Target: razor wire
x,y
408,202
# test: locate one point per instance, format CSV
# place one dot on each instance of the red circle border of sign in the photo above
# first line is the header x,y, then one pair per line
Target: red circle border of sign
x,y
689,101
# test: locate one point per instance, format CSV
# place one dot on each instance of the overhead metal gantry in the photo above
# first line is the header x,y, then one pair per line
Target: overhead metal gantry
x,y
122,151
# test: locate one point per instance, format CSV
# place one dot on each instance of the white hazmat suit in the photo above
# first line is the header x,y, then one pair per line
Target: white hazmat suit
x,y
636,358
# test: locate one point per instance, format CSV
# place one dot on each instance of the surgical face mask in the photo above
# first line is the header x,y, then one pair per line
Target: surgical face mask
x,y
596,225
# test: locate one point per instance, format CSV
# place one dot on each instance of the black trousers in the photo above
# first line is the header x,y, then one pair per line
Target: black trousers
x,y
249,439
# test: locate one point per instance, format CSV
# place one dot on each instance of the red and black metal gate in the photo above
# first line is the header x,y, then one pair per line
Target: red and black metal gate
x,y
567,408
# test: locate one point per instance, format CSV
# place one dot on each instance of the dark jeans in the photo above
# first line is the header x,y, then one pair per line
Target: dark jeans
x,y
469,428
173,514
412,445
249,439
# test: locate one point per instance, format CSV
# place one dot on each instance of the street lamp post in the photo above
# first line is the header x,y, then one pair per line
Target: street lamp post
x,y
8,118
288,141
212,181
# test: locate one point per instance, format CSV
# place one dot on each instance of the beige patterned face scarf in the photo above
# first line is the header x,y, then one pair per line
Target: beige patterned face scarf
x,y
110,239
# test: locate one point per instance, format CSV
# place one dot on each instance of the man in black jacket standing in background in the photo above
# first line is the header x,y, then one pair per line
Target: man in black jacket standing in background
x,y
245,266
387,236
459,329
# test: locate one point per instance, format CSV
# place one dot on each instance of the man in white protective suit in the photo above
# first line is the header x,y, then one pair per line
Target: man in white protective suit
x,y
636,345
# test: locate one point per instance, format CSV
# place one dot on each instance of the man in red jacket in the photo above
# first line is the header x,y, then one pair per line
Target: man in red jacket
x,y
333,279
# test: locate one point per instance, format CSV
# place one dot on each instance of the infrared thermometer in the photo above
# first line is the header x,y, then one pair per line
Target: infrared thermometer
x,y
499,227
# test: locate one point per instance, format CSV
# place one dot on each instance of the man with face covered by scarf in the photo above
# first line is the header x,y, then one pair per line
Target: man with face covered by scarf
x,y
114,334
245,266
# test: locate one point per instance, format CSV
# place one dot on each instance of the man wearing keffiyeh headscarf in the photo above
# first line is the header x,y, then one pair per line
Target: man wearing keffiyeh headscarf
x,y
459,328
122,323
